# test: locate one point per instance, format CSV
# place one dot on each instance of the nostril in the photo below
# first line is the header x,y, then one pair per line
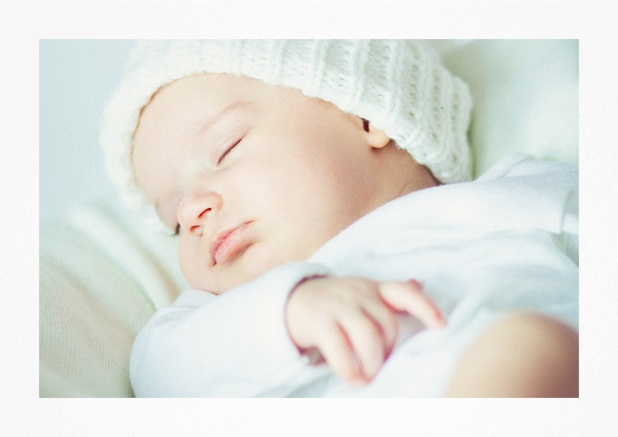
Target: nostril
x,y
194,229
203,213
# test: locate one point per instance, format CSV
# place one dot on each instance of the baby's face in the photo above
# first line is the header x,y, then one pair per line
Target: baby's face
x,y
253,176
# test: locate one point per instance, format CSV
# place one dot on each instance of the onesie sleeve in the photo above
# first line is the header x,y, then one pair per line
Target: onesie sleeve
x,y
231,345
560,183
525,192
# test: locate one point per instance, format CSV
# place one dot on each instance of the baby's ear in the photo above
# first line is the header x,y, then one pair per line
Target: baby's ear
x,y
377,138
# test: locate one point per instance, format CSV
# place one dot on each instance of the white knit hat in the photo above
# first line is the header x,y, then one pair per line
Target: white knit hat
x,y
400,86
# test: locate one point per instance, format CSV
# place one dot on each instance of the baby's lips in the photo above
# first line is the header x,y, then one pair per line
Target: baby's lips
x,y
227,244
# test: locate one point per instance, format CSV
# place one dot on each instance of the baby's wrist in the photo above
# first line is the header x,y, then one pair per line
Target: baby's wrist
x,y
304,281
299,327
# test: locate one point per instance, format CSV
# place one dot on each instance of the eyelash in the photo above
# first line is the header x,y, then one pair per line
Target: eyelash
x,y
229,149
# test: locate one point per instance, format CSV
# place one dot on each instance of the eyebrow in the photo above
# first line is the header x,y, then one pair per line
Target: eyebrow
x,y
207,124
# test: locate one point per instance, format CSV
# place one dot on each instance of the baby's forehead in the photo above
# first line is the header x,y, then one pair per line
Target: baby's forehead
x,y
209,98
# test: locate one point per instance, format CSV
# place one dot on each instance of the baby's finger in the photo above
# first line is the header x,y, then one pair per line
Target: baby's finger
x,y
338,353
384,317
409,297
366,339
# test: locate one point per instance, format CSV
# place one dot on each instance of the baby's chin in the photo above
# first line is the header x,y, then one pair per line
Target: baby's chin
x,y
219,283
220,280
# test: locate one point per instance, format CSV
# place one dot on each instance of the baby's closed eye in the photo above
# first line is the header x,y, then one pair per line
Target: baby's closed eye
x,y
228,150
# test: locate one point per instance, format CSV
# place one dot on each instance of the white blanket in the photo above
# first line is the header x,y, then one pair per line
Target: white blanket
x,y
101,278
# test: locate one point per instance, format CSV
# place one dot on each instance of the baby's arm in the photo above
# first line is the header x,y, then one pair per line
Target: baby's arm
x,y
232,345
351,321
238,345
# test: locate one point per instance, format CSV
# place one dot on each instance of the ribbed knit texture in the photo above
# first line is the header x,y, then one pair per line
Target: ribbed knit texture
x,y
400,86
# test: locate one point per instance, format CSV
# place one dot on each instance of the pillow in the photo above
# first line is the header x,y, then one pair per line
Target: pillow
x,y
526,97
101,277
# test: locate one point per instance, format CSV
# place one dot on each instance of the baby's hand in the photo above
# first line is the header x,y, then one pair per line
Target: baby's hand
x,y
351,321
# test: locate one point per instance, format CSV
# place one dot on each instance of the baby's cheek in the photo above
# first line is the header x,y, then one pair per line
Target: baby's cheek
x,y
261,257
255,261
192,264
197,268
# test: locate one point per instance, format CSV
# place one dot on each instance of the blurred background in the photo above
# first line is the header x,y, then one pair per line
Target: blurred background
x,y
76,77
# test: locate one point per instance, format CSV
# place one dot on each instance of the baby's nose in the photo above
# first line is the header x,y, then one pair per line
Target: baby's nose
x,y
194,211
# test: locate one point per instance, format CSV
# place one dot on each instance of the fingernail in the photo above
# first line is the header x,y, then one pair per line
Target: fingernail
x,y
441,320
358,381
415,283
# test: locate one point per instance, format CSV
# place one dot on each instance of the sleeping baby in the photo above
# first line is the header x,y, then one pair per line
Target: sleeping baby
x,y
321,195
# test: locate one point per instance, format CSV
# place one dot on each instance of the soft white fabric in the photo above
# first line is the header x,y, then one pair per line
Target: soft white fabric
x,y
505,242
101,277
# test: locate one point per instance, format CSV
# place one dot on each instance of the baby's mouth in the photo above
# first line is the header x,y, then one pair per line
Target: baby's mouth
x,y
228,244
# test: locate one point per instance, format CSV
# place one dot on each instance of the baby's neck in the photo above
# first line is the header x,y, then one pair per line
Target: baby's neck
x,y
405,175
